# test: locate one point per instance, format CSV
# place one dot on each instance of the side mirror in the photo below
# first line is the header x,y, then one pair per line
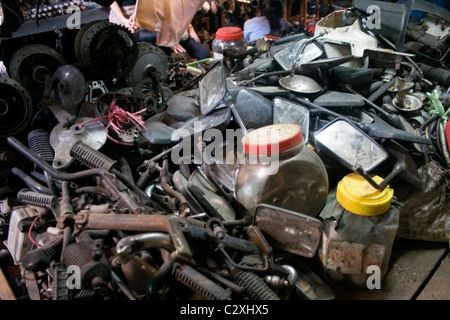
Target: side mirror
x,y
212,88
354,149
289,230
287,111
213,92
287,56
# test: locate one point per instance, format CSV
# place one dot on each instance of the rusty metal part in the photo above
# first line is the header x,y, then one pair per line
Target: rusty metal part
x,y
129,244
62,140
126,222
32,64
150,60
16,107
109,49
152,95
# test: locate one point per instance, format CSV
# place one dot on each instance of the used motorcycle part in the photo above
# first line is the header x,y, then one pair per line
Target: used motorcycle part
x,y
128,245
40,259
360,153
93,272
109,49
91,157
207,196
407,103
150,59
69,88
95,89
157,132
289,230
39,143
32,64
254,109
26,196
62,139
254,287
213,92
351,146
344,38
182,108
287,111
394,25
17,243
200,284
16,107
300,84
151,95
309,285
311,50
440,75
217,119
339,99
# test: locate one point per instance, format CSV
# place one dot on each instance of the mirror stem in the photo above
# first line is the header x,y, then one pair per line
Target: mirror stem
x,y
398,168
230,103
302,47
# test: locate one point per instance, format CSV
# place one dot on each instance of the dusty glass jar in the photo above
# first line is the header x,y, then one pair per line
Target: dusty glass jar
x,y
280,170
228,38
360,226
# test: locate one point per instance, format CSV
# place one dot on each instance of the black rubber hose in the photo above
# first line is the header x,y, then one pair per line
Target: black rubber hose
x,y
439,75
30,182
19,146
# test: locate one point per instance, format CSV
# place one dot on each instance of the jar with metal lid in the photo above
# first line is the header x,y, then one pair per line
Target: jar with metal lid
x,y
228,38
279,169
360,226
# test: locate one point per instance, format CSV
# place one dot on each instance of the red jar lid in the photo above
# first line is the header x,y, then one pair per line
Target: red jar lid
x,y
273,138
229,33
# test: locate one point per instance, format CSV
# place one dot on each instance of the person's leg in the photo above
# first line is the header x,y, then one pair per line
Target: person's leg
x,y
144,35
196,49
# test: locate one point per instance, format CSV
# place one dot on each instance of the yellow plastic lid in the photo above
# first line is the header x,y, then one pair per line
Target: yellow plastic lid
x,y
357,195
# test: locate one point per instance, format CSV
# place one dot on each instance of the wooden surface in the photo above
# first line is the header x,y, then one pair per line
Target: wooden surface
x,y
418,270
438,288
6,292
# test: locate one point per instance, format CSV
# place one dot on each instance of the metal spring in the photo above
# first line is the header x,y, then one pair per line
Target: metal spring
x,y
254,287
39,142
190,221
90,157
26,196
77,254
143,180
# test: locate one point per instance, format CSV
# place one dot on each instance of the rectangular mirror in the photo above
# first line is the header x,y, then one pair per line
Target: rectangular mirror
x,y
286,111
212,88
289,230
286,56
350,145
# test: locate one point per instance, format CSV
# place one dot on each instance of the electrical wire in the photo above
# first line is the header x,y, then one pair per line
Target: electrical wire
x,y
29,232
